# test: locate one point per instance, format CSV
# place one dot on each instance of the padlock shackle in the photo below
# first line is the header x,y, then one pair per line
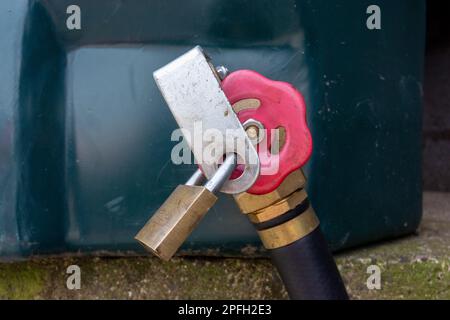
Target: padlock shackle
x,y
197,179
222,174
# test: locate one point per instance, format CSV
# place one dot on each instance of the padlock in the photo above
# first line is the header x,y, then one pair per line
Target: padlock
x,y
175,220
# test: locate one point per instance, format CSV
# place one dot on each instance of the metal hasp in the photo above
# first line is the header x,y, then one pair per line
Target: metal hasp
x,y
193,93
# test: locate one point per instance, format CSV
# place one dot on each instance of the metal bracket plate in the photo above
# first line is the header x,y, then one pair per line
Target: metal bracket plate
x,y
195,98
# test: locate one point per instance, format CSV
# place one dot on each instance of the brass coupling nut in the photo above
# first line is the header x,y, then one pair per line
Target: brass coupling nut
x,y
278,208
290,231
249,203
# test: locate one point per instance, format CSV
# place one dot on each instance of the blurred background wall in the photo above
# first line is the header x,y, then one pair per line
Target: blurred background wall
x,y
436,144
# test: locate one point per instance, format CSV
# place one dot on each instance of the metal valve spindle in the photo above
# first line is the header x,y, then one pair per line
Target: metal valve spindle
x,y
175,220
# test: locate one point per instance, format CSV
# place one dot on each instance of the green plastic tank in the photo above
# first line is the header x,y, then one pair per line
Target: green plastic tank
x,y
85,134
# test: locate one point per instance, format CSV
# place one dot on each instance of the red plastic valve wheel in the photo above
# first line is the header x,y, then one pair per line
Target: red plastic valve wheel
x,y
280,106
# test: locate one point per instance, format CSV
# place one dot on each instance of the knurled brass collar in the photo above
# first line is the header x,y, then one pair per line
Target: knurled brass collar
x,y
279,208
290,231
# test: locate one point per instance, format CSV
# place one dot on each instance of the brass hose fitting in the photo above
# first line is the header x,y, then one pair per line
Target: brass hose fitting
x,y
273,216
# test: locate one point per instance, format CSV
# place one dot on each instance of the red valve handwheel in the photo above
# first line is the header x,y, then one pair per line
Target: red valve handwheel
x,y
281,105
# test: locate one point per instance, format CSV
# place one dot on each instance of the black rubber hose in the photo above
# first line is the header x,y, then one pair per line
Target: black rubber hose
x,y
307,267
308,270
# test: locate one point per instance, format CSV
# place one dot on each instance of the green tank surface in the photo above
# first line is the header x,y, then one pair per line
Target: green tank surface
x,y
85,136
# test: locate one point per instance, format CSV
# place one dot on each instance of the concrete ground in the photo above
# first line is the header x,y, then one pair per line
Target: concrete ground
x,y
415,267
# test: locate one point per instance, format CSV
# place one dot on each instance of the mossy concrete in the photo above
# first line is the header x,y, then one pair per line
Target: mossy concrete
x,y
414,267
